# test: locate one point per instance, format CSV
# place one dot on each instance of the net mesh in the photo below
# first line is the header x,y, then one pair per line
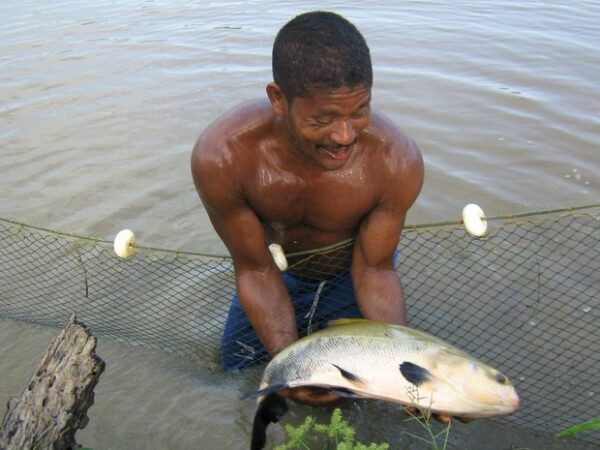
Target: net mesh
x,y
525,299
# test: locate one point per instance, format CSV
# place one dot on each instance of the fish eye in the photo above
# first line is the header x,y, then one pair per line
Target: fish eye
x,y
501,378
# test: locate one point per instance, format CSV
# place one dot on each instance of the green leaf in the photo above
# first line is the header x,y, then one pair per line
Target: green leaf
x,y
337,429
590,425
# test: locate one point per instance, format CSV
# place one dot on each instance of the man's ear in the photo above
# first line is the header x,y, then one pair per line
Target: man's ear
x,y
278,101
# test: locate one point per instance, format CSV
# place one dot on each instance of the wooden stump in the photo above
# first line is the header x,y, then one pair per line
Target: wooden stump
x,y
54,405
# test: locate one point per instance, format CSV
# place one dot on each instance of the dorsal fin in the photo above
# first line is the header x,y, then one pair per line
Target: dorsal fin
x,y
336,322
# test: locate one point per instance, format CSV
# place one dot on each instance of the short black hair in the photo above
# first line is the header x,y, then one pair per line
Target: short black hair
x,y
320,50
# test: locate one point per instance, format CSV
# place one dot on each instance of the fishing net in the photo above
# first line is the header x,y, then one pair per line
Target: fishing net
x,y
525,298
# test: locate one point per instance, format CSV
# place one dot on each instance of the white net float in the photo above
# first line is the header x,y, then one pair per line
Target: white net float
x,y
474,220
278,256
124,244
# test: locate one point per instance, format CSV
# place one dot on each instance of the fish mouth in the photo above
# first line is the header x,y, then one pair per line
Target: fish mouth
x,y
474,408
505,407
509,403
514,403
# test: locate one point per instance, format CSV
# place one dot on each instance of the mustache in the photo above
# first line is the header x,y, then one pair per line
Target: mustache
x,y
335,147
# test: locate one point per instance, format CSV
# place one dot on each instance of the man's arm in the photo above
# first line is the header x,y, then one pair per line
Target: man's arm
x,y
260,287
378,288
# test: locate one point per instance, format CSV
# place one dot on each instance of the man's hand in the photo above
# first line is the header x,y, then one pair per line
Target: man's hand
x,y
442,418
313,396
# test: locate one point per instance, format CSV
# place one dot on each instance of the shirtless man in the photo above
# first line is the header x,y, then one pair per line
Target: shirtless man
x,y
307,168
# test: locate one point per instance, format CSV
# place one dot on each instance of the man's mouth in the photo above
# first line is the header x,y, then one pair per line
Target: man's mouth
x,y
336,151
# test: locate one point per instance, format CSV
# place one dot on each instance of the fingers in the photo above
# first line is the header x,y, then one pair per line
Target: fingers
x,y
421,414
446,418
309,396
440,417
315,396
412,411
463,419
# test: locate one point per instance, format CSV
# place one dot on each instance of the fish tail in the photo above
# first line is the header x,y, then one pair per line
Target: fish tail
x,y
271,409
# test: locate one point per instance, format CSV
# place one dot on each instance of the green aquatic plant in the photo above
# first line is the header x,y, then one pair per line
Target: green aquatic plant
x,y
339,435
297,435
589,425
432,438
423,418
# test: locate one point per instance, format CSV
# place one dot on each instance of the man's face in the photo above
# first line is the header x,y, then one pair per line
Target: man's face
x,y
325,126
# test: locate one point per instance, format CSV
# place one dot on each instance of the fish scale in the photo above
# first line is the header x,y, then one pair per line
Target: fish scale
x,y
300,362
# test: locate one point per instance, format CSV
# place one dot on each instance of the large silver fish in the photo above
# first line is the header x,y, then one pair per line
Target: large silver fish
x,y
368,359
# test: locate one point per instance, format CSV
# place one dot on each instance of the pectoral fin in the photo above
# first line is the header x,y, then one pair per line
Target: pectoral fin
x,y
414,373
349,375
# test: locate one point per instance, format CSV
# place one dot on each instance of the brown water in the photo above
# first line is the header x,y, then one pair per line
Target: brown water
x,y
101,102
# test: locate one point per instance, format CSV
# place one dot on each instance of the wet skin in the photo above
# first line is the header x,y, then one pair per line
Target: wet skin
x,y
307,174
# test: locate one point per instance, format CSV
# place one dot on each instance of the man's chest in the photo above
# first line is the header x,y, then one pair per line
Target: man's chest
x,y
331,202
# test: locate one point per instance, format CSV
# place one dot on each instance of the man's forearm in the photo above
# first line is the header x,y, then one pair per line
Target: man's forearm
x,y
380,295
266,302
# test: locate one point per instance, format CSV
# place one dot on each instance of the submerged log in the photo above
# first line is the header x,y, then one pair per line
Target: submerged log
x,y
54,405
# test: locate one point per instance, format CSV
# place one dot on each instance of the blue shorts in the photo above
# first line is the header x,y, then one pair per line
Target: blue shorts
x,y
315,303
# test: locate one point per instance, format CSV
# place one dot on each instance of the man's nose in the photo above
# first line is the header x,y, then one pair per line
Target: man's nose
x,y
344,133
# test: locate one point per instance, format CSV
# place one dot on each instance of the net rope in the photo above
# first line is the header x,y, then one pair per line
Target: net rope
x,y
525,298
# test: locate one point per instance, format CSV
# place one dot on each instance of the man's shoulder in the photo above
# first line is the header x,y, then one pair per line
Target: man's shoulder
x,y
243,122
394,145
399,168
224,150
